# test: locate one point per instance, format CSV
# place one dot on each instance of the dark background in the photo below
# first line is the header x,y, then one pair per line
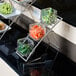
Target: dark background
x,y
66,8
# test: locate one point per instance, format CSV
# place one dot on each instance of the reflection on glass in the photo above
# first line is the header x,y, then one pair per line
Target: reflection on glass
x,y
22,1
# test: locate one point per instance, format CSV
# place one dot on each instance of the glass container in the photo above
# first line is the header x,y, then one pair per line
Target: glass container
x,y
25,46
37,31
48,16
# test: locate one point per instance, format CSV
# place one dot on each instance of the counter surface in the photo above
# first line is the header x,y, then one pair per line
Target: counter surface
x,y
6,70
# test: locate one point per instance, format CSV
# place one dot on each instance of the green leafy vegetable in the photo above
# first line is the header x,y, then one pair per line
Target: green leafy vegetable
x,y
6,8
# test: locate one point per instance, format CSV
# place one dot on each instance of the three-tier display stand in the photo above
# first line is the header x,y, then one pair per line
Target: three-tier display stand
x,y
27,4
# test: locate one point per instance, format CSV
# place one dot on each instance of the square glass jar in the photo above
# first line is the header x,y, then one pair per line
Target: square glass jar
x,y
25,46
48,16
37,31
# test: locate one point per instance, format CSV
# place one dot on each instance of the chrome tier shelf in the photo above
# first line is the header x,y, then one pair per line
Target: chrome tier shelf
x,y
49,31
